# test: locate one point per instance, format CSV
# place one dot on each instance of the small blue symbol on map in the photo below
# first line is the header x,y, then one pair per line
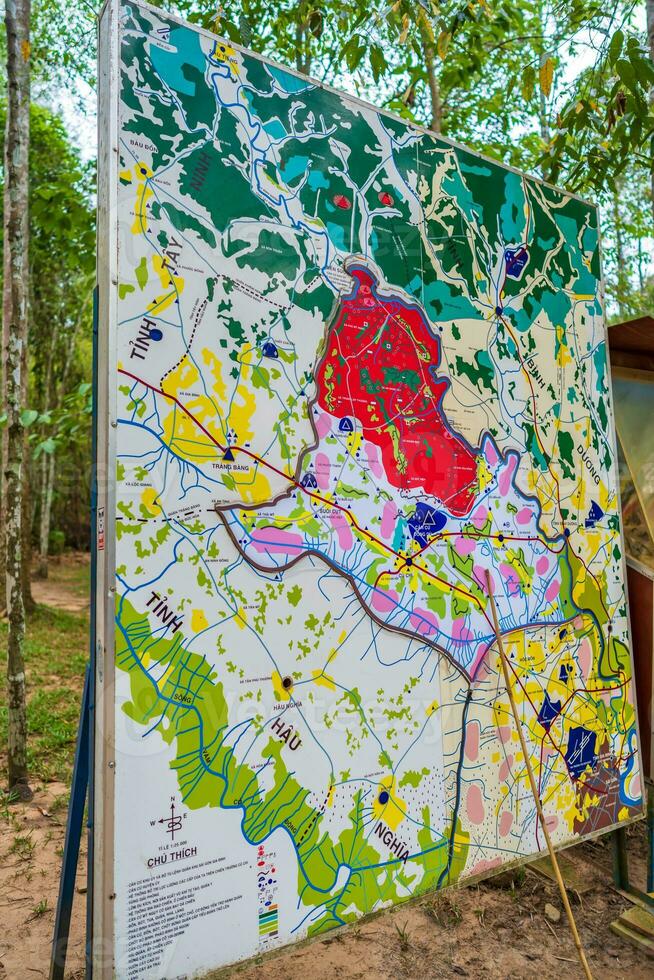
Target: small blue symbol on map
x,y
595,514
565,670
308,481
548,712
425,522
516,259
580,752
346,425
155,333
229,455
269,349
384,797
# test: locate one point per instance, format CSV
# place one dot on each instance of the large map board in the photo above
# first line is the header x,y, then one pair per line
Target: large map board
x,y
345,368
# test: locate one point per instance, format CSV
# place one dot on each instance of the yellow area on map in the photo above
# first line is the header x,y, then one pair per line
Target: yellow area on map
x,y
323,679
225,53
280,691
150,501
431,708
354,443
513,559
213,363
143,193
166,674
198,621
180,432
185,436
393,811
484,475
171,284
563,356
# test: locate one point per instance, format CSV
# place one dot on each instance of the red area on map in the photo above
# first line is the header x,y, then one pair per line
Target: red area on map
x,y
380,369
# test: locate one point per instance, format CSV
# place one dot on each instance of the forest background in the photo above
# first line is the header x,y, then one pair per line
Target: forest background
x,y
563,89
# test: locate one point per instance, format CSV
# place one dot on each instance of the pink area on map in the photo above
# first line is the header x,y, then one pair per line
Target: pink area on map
x,y
510,575
276,542
504,482
322,470
491,453
473,729
384,601
634,788
460,631
542,564
605,696
552,823
323,424
389,517
479,573
523,516
585,657
423,622
504,732
376,467
479,517
485,865
506,822
505,768
464,546
552,590
343,530
475,804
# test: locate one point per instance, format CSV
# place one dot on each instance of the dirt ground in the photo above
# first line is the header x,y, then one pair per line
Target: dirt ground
x,y
66,587
492,930
498,929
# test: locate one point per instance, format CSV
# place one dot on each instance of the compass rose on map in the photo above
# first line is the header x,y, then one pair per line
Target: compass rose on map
x,y
172,822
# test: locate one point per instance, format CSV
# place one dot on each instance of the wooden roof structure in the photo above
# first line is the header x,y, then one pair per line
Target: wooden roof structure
x,y
631,343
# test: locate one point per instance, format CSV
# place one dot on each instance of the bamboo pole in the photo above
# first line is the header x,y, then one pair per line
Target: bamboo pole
x,y
534,788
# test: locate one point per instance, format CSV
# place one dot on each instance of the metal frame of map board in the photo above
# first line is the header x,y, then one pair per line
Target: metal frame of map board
x,y
103,776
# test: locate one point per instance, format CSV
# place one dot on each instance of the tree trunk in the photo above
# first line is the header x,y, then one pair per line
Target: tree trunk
x,y
47,487
52,393
26,524
26,517
45,470
302,48
621,272
14,308
650,43
429,54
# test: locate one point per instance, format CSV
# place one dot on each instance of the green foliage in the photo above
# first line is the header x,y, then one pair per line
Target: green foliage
x,y
608,120
56,542
65,424
62,260
563,88
56,651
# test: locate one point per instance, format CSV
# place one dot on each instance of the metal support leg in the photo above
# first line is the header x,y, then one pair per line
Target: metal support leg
x,y
620,860
650,839
74,826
